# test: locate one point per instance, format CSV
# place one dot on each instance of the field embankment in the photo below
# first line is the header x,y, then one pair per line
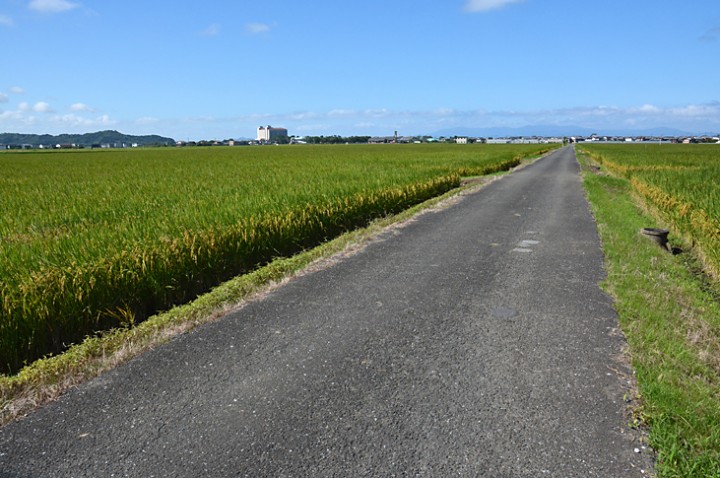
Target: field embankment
x,y
679,182
669,309
93,240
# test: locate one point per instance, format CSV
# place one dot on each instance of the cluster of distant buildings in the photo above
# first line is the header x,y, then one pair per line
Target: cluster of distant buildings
x,y
645,139
461,140
274,135
69,146
544,139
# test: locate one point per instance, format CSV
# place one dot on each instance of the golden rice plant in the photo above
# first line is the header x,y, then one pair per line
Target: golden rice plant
x,y
677,181
96,240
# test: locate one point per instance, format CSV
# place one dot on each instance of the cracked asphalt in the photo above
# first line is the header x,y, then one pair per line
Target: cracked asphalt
x,y
473,341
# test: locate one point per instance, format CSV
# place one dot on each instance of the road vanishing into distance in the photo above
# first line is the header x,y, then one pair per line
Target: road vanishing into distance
x,y
472,341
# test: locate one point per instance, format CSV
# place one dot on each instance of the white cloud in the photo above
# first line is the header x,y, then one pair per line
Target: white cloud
x,y
12,119
211,31
17,90
72,120
710,110
39,118
603,119
7,21
39,107
256,28
649,109
383,121
42,107
80,107
691,118
75,121
486,5
445,112
52,6
3,98
106,120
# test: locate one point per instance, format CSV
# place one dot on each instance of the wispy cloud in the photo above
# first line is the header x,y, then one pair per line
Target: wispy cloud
x,y
3,98
697,118
377,113
6,21
211,31
341,113
17,90
52,6
486,5
693,118
147,120
256,28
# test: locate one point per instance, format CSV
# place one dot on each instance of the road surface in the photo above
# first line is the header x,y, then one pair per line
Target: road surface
x,y
473,341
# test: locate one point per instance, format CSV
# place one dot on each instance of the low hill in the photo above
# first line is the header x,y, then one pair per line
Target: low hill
x,y
88,139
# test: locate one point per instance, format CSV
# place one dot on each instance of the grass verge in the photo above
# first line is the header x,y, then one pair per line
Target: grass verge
x,y
670,314
44,380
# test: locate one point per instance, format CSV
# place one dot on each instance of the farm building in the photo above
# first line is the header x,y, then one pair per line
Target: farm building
x,y
271,134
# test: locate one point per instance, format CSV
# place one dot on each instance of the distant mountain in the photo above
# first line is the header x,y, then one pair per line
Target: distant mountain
x,y
88,139
554,130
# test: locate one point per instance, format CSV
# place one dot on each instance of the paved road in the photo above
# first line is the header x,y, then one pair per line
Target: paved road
x,y
472,342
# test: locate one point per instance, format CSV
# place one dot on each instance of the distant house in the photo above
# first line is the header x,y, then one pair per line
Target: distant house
x,y
461,140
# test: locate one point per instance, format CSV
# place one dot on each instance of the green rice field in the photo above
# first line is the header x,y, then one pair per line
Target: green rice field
x,y
681,181
93,240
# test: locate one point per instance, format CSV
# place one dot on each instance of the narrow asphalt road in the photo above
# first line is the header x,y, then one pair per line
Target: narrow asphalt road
x,y
474,341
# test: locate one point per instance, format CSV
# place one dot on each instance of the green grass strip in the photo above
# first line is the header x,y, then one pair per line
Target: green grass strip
x,y
671,318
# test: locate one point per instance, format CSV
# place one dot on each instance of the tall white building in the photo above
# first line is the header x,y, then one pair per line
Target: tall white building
x,y
271,134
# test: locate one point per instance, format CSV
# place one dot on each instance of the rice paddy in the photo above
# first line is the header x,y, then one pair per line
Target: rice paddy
x,y
94,240
680,181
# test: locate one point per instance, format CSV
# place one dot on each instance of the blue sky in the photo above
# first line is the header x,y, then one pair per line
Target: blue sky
x,y
218,69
